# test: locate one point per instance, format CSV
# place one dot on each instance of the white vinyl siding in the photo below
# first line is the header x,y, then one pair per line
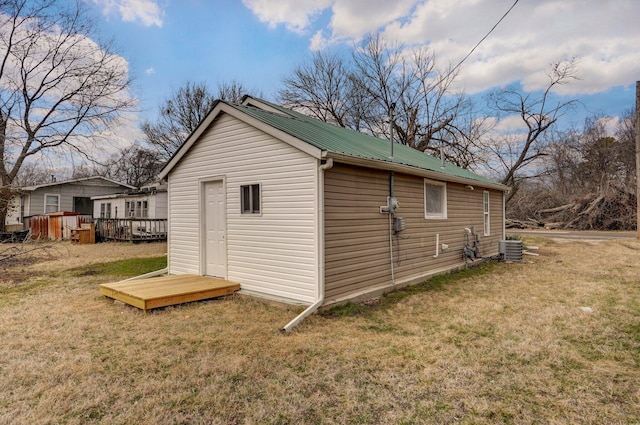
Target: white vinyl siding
x,y
274,252
153,206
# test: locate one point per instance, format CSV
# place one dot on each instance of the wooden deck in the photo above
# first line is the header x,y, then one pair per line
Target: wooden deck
x,y
164,291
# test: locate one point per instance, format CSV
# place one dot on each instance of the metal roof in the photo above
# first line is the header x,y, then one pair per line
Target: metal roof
x,y
345,142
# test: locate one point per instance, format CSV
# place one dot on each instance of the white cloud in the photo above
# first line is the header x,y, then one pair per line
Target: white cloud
x,y
150,71
295,15
148,12
602,35
96,139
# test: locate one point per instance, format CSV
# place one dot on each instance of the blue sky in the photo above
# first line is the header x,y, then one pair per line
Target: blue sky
x,y
257,42
212,42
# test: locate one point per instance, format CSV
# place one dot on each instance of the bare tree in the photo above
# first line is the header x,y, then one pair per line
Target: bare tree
x,y
233,91
183,110
320,89
626,135
32,174
135,165
178,116
517,151
360,93
58,86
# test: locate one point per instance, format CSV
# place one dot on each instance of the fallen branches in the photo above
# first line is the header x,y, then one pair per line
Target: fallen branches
x,y
16,253
613,210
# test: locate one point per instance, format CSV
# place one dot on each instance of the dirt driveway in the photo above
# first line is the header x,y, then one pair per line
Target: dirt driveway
x,y
573,234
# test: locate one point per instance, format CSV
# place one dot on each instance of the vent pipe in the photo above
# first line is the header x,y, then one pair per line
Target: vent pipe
x,y
391,108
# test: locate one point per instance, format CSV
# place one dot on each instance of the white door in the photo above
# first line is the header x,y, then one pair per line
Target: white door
x,y
215,229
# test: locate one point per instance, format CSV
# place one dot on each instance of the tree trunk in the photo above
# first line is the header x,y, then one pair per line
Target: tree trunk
x,y
5,198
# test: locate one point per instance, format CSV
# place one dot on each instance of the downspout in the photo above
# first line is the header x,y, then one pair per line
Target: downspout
x,y
504,215
150,274
320,295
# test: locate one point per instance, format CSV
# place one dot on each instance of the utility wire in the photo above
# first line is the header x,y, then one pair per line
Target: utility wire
x,y
478,43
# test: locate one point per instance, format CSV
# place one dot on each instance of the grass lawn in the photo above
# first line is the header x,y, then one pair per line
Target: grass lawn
x,y
554,340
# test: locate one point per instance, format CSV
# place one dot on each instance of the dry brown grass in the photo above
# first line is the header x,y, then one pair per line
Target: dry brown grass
x,y
509,345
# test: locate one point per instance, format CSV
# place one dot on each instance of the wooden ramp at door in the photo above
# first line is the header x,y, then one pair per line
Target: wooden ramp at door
x,y
164,291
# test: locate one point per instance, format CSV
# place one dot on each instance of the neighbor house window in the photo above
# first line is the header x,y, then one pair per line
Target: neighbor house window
x,y
105,210
435,199
130,209
487,215
141,209
51,203
250,199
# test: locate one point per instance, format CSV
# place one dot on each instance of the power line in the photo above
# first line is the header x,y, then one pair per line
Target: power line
x,y
479,42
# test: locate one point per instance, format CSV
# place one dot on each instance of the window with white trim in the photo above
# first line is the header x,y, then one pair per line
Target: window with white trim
x,y
435,199
487,213
105,210
129,209
51,203
250,199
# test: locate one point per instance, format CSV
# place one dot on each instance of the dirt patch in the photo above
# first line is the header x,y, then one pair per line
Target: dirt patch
x,y
58,256
585,241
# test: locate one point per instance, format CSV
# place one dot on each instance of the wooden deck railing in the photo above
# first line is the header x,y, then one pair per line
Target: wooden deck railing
x,y
132,229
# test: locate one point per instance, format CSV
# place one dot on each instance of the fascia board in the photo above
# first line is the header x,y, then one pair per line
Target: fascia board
x,y
406,169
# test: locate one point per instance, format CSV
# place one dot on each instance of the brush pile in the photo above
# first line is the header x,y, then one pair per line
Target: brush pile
x,y
613,210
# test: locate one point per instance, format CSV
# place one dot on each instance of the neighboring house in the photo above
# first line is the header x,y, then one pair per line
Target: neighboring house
x,y
146,202
69,196
294,209
132,216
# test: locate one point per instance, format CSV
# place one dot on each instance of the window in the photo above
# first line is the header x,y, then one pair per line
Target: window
x,y
145,209
105,210
51,203
82,205
435,200
250,199
130,209
487,215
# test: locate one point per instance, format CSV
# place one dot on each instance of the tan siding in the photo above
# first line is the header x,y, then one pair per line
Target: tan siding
x,y
352,219
497,222
357,255
272,253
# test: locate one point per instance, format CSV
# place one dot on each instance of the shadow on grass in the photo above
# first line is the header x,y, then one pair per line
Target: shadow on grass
x,y
388,299
125,268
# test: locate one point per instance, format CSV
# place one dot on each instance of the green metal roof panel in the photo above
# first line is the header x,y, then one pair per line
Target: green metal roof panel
x,y
339,140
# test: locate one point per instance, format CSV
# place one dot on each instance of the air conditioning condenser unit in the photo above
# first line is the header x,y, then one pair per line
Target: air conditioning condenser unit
x,y
510,250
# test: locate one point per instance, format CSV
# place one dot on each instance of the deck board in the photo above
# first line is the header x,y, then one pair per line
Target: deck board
x,y
164,291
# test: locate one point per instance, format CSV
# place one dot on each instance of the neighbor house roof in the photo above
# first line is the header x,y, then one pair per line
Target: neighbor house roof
x,y
336,142
82,179
147,190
